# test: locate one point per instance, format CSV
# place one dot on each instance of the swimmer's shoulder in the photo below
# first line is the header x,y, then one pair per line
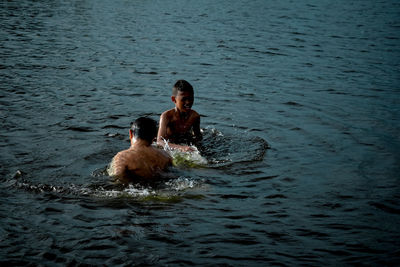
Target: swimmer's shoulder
x,y
162,154
168,114
194,114
126,158
120,156
119,164
194,117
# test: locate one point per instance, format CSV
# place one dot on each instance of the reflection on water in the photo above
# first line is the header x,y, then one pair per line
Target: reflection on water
x,y
300,110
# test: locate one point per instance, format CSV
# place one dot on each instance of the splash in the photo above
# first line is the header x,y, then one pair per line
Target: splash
x,y
172,190
182,183
132,191
216,151
191,159
222,150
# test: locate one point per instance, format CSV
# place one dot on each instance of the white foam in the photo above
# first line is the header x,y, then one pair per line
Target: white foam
x,y
181,183
131,191
192,157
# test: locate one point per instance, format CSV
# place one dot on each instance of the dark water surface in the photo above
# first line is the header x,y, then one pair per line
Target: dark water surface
x,y
318,81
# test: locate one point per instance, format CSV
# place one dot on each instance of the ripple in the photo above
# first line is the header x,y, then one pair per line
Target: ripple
x,y
172,190
322,88
79,129
223,150
385,207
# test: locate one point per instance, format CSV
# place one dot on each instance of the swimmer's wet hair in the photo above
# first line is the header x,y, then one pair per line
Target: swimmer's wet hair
x,y
183,86
145,128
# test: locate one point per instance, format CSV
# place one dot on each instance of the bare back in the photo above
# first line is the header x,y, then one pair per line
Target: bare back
x,y
139,162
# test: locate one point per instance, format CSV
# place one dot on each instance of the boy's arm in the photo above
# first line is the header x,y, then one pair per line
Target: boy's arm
x,y
162,130
196,129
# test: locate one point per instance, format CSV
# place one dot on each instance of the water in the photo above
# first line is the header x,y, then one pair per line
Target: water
x,y
316,81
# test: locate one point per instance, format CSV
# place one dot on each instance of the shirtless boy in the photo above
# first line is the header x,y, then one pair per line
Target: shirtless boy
x,y
180,126
141,160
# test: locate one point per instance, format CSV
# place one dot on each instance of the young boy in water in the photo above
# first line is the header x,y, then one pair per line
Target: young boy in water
x,y
180,125
141,160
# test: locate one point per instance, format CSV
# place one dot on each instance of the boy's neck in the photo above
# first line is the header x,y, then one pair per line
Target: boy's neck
x,y
140,143
182,115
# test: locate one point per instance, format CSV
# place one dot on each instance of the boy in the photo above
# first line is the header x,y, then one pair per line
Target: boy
x,y
141,160
180,124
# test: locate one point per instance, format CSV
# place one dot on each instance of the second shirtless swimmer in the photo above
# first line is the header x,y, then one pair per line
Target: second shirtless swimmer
x,y
180,126
141,161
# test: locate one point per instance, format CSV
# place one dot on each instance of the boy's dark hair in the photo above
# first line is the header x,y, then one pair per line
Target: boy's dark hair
x,y
183,86
145,128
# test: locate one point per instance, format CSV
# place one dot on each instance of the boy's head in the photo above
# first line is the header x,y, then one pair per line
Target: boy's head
x,y
182,96
182,86
144,128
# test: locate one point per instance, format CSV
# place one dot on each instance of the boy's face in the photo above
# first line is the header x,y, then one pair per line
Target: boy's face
x,y
183,101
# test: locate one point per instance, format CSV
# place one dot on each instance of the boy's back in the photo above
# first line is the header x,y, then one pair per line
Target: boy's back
x,y
140,161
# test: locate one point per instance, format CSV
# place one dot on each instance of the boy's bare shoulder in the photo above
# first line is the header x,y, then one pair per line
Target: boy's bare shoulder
x,y
123,153
128,156
168,113
195,114
121,158
165,154
120,155
160,153
120,163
